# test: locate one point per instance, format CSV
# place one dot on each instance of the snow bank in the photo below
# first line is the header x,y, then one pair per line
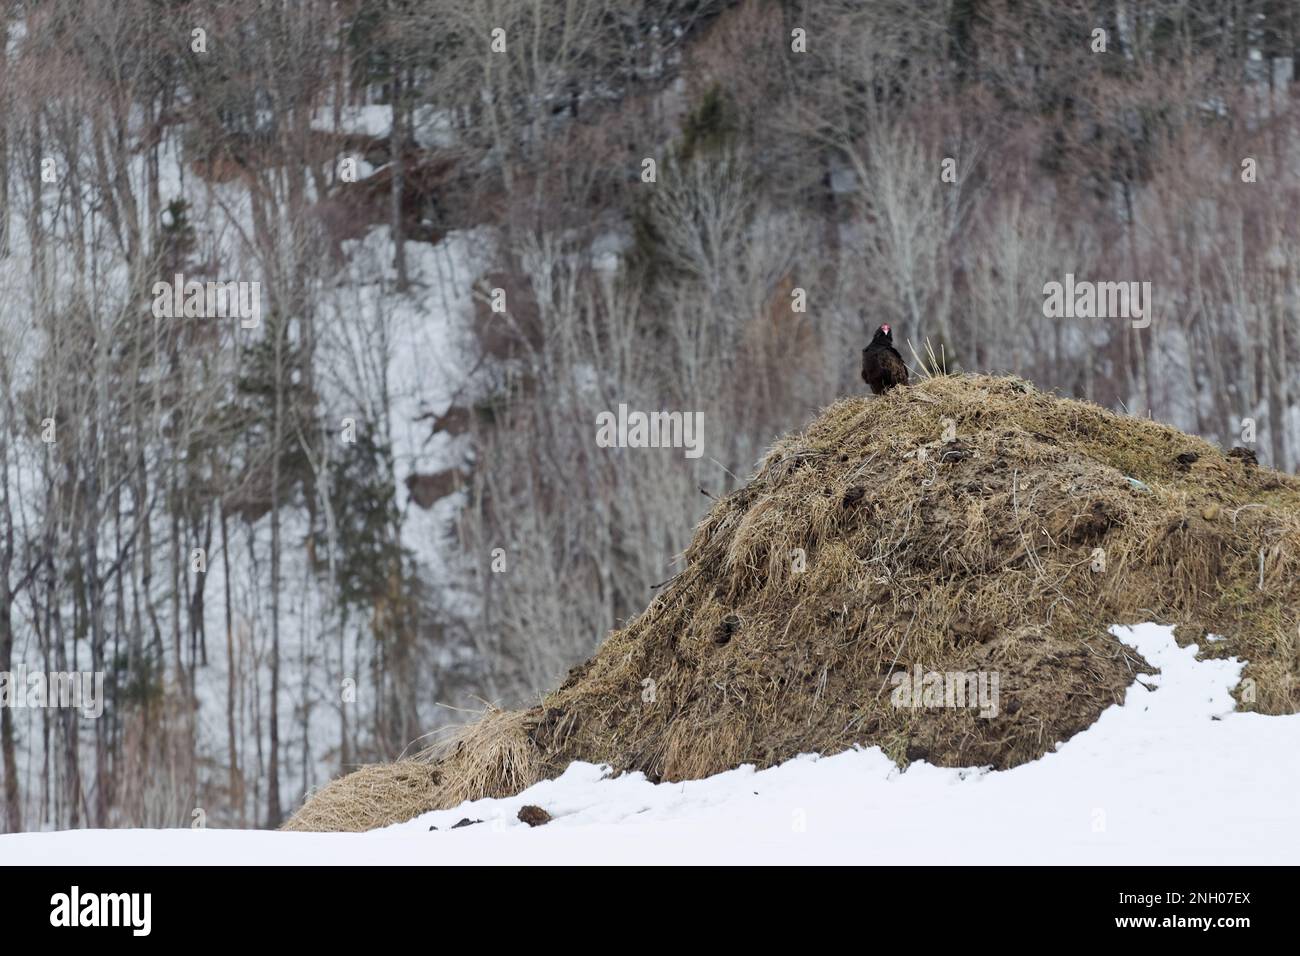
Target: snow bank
x,y
1173,776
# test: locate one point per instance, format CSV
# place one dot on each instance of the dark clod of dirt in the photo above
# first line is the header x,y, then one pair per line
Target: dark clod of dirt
x,y
1186,460
853,496
954,452
726,629
466,822
534,816
1246,456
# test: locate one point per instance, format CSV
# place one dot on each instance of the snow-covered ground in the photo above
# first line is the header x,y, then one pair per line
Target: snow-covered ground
x,y
1174,776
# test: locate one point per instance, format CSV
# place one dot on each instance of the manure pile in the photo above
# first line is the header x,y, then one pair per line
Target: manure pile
x,y
965,525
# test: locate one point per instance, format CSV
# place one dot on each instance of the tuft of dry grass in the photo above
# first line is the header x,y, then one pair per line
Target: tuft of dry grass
x,y
372,796
952,525
492,757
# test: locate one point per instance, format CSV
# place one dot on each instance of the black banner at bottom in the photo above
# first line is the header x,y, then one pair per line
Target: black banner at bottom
x,y
333,905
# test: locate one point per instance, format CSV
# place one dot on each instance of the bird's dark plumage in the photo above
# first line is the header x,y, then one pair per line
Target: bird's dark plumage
x,y
882,366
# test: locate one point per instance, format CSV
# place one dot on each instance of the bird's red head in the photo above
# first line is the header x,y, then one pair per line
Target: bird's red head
x,y
885,329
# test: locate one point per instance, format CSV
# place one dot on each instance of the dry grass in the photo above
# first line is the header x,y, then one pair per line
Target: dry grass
x,y
491,757
967,555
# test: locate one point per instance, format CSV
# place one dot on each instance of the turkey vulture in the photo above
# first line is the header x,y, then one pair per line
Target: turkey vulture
x,y
882,366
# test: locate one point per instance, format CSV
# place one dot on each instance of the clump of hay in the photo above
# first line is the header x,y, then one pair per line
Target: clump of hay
x,y
964,524
372,796
491,757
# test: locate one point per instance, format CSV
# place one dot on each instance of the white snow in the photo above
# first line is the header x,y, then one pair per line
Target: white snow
x,y
433,127
1174,776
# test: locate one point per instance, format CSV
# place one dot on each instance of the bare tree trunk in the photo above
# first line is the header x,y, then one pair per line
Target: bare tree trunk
x,y
13,820
232,750
273,809
12,817
397,192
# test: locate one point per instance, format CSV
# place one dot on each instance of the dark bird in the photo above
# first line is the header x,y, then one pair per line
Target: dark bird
x,y
882,366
